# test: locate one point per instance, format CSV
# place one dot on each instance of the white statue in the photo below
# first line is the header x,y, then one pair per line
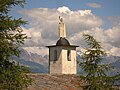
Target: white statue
x,y
62,28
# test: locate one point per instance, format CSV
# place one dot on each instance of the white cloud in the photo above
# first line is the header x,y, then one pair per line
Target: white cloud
x,y
94,5
38,50
45,21
44,28
64,10
114,36
110,39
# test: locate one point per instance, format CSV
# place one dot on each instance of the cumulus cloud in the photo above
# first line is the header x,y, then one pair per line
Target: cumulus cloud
x,y
94,5
110,39
38,50
114,36
44,21
44,28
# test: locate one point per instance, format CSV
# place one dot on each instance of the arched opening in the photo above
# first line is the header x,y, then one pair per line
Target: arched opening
x,y
55,55
68,55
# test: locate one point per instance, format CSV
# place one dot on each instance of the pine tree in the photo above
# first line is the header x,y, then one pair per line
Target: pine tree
x,y
12,75
96,77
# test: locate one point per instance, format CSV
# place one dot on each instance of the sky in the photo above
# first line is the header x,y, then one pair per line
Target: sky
x,y
102,8
100,18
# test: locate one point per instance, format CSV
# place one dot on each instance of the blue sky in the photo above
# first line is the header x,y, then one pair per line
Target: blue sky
x,y
107,7
100,18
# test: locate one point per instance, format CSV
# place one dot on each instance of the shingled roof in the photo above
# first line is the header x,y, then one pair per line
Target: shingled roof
x,y
54,82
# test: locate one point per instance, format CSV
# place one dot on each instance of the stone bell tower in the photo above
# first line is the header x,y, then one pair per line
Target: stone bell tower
x,y
62,56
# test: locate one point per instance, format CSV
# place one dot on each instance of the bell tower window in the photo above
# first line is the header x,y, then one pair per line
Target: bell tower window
x,y
55,55
68,55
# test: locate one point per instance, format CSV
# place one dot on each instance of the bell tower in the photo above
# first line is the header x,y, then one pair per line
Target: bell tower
x,y
62,56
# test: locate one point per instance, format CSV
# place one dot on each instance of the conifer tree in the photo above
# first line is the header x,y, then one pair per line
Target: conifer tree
x,y
12,75
96,74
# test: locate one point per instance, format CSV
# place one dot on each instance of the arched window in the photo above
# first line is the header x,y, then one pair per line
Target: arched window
x,y
55,55
68,55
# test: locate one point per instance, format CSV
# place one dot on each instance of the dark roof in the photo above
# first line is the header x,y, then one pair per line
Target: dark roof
x,y
62,42
63,46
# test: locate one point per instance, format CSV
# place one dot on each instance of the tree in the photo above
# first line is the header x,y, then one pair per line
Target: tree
x,y
12,75
96,77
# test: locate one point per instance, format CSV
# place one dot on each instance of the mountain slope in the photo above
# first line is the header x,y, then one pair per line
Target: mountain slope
x,y
39,63
36,63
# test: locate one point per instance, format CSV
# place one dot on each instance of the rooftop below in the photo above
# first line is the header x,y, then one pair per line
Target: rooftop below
x,y
54,82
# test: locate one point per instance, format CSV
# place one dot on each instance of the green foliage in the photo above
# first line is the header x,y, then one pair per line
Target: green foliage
x,y
14,78
6,5
96,77
12,75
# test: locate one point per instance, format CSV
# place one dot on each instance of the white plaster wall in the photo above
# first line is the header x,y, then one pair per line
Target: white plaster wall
x,y
55,66
62,65
69,67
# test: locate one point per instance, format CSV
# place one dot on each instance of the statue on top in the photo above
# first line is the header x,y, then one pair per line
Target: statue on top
x,y
62,28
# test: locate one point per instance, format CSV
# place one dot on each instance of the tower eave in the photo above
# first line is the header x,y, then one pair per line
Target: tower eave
x,y
62,46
